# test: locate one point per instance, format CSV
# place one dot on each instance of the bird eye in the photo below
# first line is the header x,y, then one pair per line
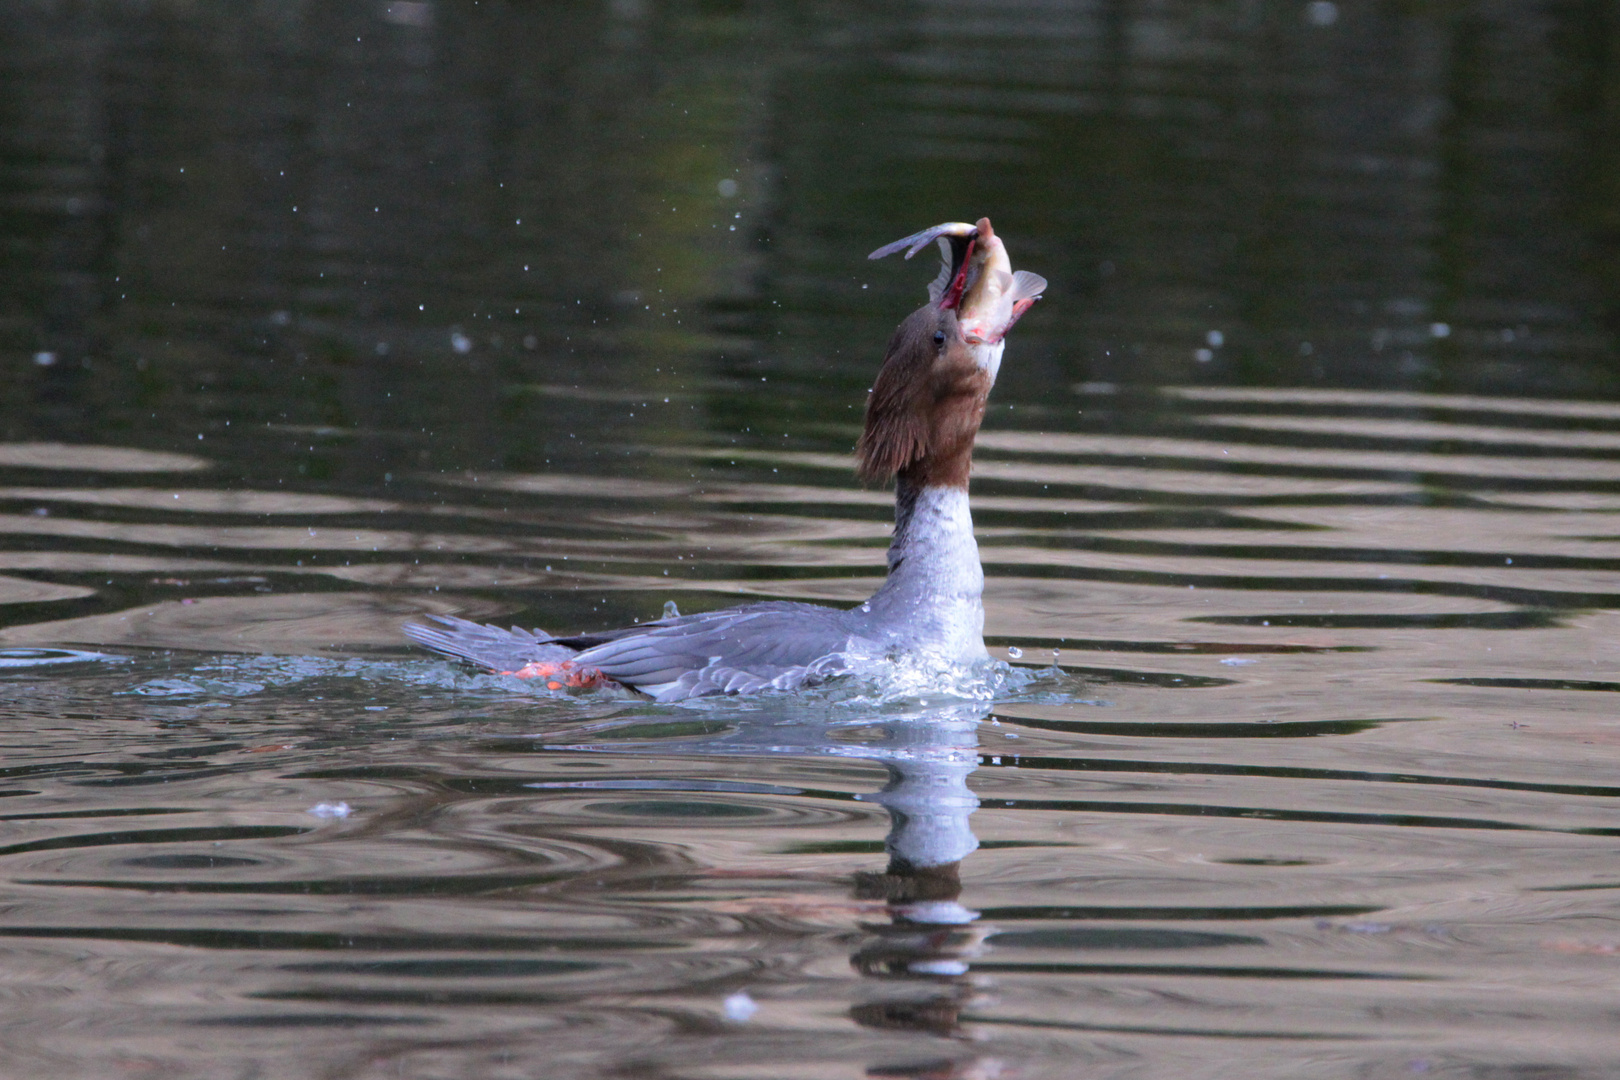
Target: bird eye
x,y
939,337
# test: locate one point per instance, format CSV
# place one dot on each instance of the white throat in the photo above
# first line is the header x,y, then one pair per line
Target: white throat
x,y
932,600
988,358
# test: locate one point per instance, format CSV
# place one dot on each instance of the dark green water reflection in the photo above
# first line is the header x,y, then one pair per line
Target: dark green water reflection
x,y
346,240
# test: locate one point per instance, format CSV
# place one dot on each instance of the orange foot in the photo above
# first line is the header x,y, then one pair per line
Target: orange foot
x,y
560,675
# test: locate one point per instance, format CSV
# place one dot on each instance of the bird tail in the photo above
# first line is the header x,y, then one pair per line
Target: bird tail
x,y
505,651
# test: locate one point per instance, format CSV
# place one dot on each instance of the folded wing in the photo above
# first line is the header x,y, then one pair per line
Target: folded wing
x,y
741,650
737,650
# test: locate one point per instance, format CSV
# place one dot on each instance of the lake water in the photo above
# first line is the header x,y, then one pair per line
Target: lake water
x,y
1299,503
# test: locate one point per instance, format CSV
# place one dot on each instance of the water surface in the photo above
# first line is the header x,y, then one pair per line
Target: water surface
x,y
1297,503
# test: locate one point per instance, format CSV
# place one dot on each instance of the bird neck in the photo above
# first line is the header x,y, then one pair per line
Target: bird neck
x,y
932,599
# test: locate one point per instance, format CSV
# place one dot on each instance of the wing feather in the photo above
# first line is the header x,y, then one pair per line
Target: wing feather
x,y
734,650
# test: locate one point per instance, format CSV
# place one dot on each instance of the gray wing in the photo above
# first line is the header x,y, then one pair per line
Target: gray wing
x,y
737,650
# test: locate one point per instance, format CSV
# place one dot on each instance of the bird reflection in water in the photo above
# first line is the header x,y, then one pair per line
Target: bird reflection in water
x,y
923,952
920,960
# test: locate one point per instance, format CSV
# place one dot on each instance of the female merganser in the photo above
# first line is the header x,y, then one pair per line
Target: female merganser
x,y
924,411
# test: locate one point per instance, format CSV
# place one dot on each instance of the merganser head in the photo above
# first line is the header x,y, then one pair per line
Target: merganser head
x,y
929,397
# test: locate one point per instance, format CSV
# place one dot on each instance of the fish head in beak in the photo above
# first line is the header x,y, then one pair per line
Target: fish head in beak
x,y
993,295
977,280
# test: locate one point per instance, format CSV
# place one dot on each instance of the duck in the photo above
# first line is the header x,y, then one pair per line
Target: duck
x,y
922,416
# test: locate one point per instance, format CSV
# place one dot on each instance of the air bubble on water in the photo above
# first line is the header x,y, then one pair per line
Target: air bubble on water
x,y
739,1008
1015,652
670,610
331,810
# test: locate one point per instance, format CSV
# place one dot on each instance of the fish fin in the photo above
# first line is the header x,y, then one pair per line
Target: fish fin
x,y
1026,286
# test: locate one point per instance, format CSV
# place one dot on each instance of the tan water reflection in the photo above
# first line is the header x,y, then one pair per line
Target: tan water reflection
x,y
1327,780
296,623
1317,565
1398,399
98,459
1295,458
205,501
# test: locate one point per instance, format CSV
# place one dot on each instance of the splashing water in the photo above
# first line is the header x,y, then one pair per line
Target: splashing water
x,y
30,658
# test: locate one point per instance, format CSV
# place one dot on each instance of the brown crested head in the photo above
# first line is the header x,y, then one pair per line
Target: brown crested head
x,y
926,405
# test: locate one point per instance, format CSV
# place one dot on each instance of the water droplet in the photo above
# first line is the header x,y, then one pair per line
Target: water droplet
x,y
740,1008
670,610
1015,652
1322,13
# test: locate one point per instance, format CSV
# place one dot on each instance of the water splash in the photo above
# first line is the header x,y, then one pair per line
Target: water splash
x,y
243,676
919,681
31,658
